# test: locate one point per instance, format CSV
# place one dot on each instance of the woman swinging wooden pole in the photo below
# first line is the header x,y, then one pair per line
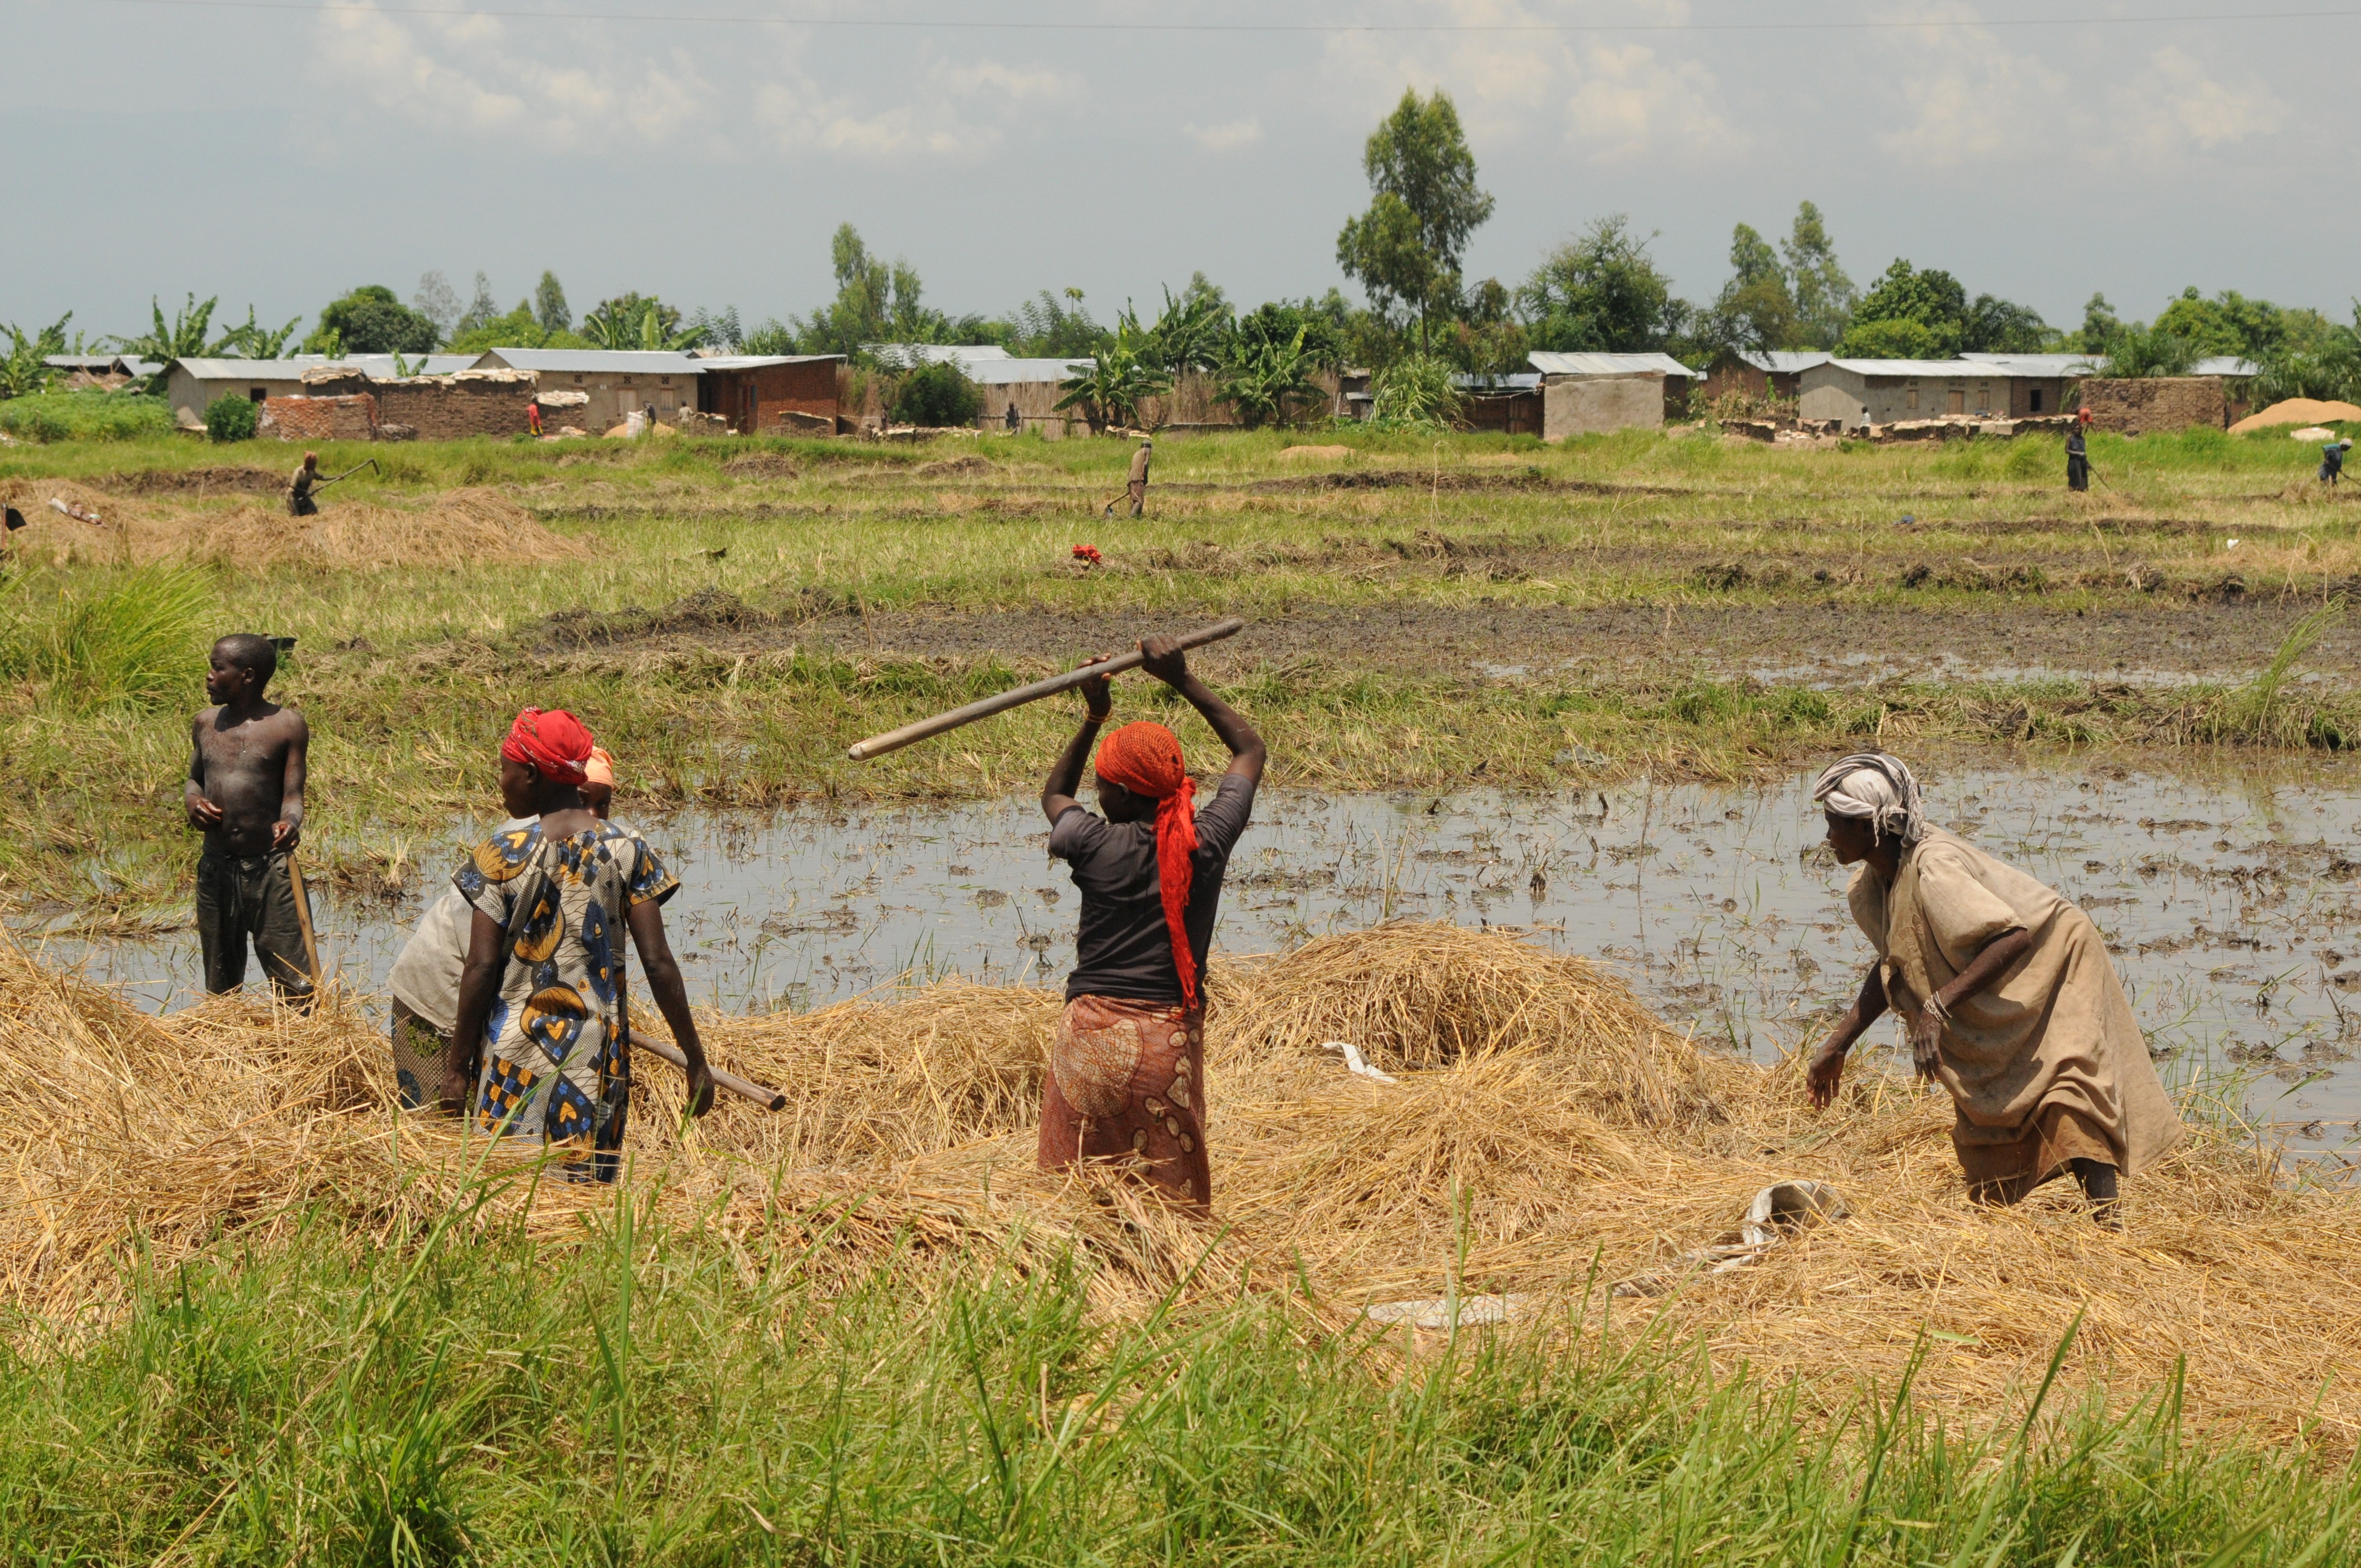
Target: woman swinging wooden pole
x,y
2011,1001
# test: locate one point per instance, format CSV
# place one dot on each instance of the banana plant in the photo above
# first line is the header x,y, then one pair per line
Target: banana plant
x,y
22,370
1118,380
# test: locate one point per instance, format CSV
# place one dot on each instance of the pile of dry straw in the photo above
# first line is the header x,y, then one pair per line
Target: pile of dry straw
x,y
1547,1133
457,528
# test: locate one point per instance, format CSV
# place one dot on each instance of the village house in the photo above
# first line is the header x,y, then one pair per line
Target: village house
x,y
1589,394
192,386
772,394
618,382
1759,373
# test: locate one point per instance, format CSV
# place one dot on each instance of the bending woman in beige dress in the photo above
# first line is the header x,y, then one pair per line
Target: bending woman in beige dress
x,y
2012,1000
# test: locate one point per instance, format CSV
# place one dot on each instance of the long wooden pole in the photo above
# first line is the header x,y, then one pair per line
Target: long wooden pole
x,y
1016,696
744,1088
304,919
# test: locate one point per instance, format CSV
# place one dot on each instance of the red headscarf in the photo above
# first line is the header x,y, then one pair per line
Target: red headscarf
x,y
553,744
1146,759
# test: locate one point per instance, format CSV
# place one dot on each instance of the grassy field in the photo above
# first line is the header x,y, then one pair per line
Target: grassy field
x,y
1424,613
662,1398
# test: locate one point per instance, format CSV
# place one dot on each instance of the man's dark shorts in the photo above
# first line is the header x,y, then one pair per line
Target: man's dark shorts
x,y
251,900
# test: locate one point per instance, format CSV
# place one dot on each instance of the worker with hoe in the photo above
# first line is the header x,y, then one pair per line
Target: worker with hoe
x,y
2332,461
424,980
2077,453
2011,1002
1126,1079
1137,486
248,760
298,489
539,1045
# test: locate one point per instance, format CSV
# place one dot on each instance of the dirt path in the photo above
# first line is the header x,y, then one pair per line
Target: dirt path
x,y
1789,644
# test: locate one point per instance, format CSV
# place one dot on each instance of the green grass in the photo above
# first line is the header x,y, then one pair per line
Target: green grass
x,y
48,417
655,1398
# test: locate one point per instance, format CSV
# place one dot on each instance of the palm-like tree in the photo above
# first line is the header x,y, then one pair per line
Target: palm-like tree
x,y
1266,378
1118,380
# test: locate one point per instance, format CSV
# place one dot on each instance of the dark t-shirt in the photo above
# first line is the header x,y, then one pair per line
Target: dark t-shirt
x,y
1122,948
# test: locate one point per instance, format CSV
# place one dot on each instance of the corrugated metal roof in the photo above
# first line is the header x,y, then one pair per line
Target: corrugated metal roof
x,y
1005,372
79,361
1523,382
756,361
1784,361
2042,365
1953,368
934,352
378,367
595,361
1550,364
2226,365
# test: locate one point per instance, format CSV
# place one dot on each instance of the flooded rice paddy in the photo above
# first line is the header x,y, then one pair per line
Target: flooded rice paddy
x,y
2231,905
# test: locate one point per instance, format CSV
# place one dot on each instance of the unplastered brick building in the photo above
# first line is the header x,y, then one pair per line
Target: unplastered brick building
x,y
2140,405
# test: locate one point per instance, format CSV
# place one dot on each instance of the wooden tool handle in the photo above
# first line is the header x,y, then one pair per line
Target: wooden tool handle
x,y
1016,696
744,1088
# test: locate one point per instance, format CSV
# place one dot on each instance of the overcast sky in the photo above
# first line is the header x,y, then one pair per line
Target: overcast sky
x,y
278,154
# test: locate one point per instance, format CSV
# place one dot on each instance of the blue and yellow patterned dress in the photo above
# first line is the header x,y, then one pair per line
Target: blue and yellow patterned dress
x,y
557,1064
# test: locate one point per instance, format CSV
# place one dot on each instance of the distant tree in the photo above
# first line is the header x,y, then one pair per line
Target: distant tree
x,y
1118,380
1193,333
1756,309
719,329
22,371
483,308
369,320
1933,299
2322,363
2229,323
549,307
520,328
939,394
1267,381
876,301
1318,324
2141,350
1893,338
1824,296
636,321
1996,326
1405,249
184,337
1486,339
1049,327
1601,293
252,340
773,336
437,301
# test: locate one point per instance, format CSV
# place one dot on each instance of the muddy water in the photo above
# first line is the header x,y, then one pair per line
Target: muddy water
x,y
2231,905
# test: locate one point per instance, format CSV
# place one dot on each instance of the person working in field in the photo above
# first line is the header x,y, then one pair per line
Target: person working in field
x,y
247,759
299,489
1127,1073
1137,486
425,975
2332,461
540,1043
2011,1001
2078,458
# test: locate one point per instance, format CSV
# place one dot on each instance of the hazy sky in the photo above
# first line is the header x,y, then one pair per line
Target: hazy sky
x,y
279,153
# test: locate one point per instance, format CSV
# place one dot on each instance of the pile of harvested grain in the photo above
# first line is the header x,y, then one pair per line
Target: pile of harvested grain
x,y
1547,1133
459,528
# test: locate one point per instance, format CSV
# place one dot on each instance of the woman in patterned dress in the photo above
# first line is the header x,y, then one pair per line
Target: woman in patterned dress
x,y
543,1026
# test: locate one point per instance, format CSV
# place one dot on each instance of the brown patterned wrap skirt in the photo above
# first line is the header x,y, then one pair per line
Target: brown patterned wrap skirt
x,y
1126,1085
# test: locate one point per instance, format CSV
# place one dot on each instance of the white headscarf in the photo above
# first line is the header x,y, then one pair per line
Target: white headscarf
x,y
1876,786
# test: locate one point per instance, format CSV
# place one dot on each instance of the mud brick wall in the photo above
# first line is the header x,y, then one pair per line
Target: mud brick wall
x,y
1593,405
439,408
353,418
2136,405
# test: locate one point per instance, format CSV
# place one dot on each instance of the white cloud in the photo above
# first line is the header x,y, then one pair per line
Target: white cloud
x,y
2176,104
1970,96
1227,137
1626,102
1015,82
360,42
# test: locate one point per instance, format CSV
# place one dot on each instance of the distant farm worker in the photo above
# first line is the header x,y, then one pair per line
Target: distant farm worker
x,y
1012,420
248,757
2077,460
2011,1001
1137,485
2332,461
540,1043
1127,1081
298,489
532,418
424,979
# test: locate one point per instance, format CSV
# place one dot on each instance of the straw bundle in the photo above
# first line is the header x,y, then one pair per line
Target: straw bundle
x,y
458,528
1533,1157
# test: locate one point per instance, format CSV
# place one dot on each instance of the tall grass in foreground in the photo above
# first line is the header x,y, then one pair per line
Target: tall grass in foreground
x,y
131,637
663,1398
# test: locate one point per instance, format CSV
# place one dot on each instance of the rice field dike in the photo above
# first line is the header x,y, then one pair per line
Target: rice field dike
x,y
1472,1311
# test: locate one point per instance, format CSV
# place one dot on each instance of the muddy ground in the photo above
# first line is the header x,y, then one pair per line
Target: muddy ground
x,y
1791,643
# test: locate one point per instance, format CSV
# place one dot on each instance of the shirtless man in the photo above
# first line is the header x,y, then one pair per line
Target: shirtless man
x,y
299,489
245,793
